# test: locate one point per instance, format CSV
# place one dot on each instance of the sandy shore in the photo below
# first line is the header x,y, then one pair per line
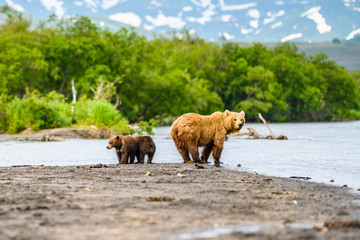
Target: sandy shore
x,y
177,201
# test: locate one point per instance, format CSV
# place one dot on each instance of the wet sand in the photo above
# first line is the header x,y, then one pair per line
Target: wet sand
x,y
177,201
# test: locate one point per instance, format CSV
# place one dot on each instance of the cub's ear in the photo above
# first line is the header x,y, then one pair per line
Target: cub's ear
x,y
227,113
117,137
242,113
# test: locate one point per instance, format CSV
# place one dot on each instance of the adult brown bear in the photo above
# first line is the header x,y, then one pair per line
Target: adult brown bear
x,y
192,130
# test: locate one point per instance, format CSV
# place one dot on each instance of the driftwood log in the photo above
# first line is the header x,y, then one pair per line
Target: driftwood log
x,y
254,134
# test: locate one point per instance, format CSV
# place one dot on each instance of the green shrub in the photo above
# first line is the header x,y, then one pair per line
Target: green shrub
x,y
30,111
63,114
3,116
101,114
354,114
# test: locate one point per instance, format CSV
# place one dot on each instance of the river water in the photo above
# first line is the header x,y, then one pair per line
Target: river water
x,y
321,151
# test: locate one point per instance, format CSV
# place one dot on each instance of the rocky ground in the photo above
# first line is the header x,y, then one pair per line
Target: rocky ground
x,y
170,201
56,134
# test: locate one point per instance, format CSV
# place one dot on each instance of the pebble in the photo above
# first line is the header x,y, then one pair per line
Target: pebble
x,y
147,173
181,175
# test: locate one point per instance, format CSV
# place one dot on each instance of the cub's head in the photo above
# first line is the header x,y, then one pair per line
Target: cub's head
x,y
114,141
234,121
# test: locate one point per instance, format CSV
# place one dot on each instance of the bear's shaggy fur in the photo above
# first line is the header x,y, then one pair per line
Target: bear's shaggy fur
x,y
192,130
145,145
125,147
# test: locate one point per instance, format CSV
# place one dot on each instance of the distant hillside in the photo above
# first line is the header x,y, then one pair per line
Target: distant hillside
x,y
347,55
234,20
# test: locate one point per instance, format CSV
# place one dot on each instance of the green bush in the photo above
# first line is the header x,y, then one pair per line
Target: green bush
x,y
63,114
3,116
354,114
30,111
101,114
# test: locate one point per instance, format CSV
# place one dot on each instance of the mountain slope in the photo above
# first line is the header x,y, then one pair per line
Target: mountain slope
x,y
249,20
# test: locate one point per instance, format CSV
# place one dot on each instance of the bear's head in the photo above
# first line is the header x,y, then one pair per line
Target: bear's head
x,y
114,141
234,121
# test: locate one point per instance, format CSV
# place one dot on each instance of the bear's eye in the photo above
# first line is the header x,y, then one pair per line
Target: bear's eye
x,y
234,119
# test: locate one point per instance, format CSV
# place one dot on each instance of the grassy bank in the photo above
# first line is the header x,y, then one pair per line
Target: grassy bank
x,y
54,111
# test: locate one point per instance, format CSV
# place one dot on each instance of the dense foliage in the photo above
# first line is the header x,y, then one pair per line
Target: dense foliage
x,y
158,79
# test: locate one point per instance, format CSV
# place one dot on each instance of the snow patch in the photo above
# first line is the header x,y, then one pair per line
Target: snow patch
x,y
155,3
226,18
206,15
273,15
254,23
291,37
228,36
314,14
192,31
106,4
54,6
90,3
187,8
352,34
225,7
162,20
148,27
15,6
78,3
275,25
246,31
202,3
254,13
128,18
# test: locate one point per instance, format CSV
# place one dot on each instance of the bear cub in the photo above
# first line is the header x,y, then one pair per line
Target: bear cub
x,y
145,146
125,147
128,147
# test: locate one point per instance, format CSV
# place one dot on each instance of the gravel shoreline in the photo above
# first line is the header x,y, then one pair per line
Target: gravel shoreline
x,y
175,201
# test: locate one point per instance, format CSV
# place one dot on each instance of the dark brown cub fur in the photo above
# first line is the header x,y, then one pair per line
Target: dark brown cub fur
x,y
125,147
145,145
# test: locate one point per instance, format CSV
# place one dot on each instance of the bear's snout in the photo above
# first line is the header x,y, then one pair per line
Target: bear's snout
x,y
240,125
108,147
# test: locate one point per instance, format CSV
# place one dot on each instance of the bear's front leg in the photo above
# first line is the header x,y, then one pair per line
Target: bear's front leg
x,y
218,147
124,158
118,154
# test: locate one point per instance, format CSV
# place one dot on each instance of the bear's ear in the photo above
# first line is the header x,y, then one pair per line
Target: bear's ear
x,y
242,113
117,137
227,113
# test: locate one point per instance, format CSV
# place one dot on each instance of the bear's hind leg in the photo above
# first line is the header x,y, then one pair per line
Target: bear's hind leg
x,y
194,151
150,157
206,152
185,154
141,157
132,157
